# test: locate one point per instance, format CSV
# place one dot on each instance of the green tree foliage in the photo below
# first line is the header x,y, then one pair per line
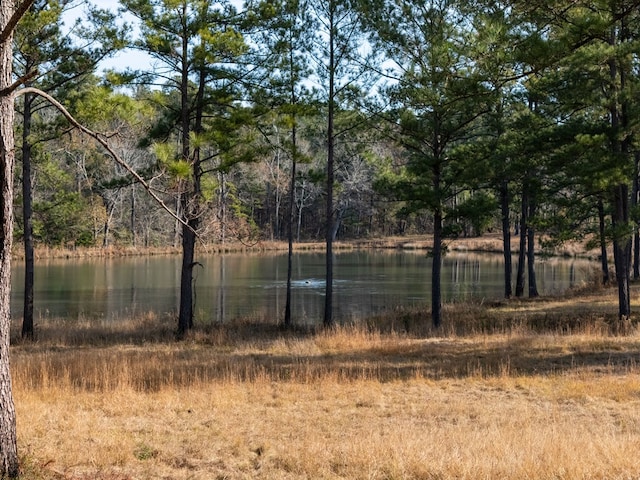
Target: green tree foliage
x,y
60,203
587,91
197,47
436,100
55,62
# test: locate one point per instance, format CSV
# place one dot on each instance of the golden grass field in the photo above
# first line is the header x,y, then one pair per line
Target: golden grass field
x,y
519,389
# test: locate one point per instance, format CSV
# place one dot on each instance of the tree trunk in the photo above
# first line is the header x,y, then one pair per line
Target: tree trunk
x,y
27,218
634,205
622,250
111,208
132,218
185,314
300,207
222,207
622,237
506,237
191,206
604,260
531,253
185,318
189,198
277,197
8,441
291,220
523,242
436,271
337,222
328,299
177,226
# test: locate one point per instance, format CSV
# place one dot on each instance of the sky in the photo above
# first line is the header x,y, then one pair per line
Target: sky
x,y
125,59
122,60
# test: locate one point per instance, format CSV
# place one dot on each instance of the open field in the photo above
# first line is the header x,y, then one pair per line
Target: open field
x,y
541,389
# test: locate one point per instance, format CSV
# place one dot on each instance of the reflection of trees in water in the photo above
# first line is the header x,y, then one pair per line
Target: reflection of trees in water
x,y
246,285
475,274
465,271
222,294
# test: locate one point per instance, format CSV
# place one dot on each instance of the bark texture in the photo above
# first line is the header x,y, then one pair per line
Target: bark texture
x,y
8,444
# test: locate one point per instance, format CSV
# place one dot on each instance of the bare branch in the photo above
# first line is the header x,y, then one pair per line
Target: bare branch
x,y
22,80
105,144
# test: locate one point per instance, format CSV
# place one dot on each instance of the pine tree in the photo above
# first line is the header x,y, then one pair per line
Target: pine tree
x,y
437,98
196,46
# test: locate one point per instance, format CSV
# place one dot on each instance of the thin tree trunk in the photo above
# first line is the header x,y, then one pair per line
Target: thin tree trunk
x,y
300,207
192,211
111,208
336,224
622,250
436,271
634,205
132,219
292,201
185,319
506,238
328,299
177,225
531,253
222,208
604,260
185,312
8,442
520,277
27,218
278,196
620,220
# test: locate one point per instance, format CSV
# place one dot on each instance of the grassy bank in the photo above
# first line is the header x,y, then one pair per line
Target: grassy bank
x,y
521,389
487,243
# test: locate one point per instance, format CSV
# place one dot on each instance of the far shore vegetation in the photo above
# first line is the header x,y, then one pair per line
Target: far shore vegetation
x,y
523,388
489,243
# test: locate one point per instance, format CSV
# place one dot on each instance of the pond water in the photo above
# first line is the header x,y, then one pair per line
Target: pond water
x,y
248,285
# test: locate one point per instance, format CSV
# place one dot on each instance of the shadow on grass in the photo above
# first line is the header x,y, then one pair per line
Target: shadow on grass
x,y
514,338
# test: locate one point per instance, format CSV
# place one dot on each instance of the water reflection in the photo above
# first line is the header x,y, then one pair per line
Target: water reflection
x,y
240,285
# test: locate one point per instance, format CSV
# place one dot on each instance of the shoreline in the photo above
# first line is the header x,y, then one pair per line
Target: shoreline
x,y
491,243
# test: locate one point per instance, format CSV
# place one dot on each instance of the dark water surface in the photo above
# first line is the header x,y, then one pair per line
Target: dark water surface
x,y
240,285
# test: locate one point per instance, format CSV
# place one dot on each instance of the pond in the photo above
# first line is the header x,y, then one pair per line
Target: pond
x,y
244,285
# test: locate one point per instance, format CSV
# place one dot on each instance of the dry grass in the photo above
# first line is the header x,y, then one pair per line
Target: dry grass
x,y
505,427
257,246
486,243
545,389
491,242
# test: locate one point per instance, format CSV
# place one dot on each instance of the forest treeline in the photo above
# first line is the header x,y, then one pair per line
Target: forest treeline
x,y
309,119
